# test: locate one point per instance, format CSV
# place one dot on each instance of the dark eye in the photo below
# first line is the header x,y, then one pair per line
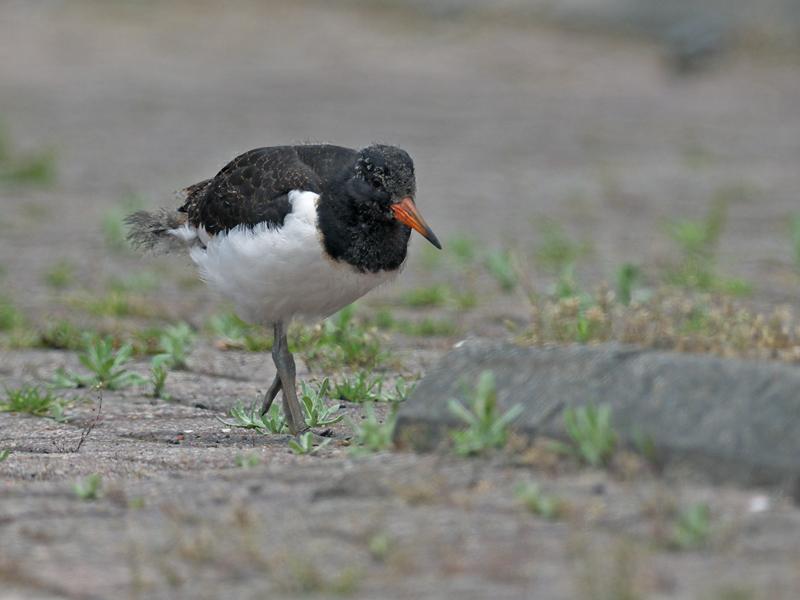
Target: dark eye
x,y
377,184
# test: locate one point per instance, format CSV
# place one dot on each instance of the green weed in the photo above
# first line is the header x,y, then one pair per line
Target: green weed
x,y
159,369
434,295
556,250
370,435
304,444
247,461
697,241
361,387
499,264
10,316
312,399
592,436
175,344
33,401
342,339
233,333
627,277
486,427
89,488
692,528
32,169
60,275
107,367
539,503
4,454
251,418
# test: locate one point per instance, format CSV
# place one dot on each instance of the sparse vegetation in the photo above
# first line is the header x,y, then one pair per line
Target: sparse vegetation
x,y
541,504
556,250
10,316
175,344
627,277
33,401
304,444
23,170
4,454
697,241
592,437
247,461
233,333
89,488
361,387
159,369
692,528
435,295
106,365
312,399
499,264
370,435
61,275
486,427
251,418
341,340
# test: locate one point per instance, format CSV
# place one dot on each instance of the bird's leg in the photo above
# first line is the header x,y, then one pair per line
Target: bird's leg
x,y
270,395
284,361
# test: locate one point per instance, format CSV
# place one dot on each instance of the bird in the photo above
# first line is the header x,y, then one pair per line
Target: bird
x,y
293,231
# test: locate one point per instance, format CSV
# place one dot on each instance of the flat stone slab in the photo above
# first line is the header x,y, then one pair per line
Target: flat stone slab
x,y
733,420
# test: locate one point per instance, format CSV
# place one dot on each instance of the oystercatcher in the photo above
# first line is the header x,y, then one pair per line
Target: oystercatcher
x,y
290,231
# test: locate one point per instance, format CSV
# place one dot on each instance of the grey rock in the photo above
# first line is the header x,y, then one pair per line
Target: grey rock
x,y
728,419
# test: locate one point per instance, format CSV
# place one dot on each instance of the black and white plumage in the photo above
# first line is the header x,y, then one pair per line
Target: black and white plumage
x,y
290,231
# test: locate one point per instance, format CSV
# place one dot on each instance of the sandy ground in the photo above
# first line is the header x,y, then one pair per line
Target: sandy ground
x,y
509,125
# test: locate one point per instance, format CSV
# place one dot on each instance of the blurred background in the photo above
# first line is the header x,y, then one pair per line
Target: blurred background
x,y
589,134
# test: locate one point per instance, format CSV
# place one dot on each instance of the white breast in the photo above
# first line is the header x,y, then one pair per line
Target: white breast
x,y
276,274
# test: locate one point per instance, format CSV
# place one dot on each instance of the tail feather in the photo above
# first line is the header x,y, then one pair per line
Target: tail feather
x,y
159,231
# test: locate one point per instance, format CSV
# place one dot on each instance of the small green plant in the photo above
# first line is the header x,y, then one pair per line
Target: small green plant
x,y
379,546
435,295
107,367
251,418
486,427
60,275
61,335
402,389
32,169
556,250
370,435
795,234
592,436
10,316
4,454
539,503
33,401
159,369
627,277
312,399
304,444
362,387
247,461
175,343
692,528
697,241
89,488
342,339
500,265
233,333
427,327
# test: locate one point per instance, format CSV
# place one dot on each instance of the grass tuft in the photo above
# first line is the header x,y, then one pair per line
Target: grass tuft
x,y
304,444
486,427
33,401
539,503
692,528
89,488
592,437
107,367
370,435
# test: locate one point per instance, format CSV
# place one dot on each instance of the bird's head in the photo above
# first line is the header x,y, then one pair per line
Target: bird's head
x,y
383,183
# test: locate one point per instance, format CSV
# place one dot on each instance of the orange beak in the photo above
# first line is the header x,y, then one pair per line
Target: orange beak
x,y
406,212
